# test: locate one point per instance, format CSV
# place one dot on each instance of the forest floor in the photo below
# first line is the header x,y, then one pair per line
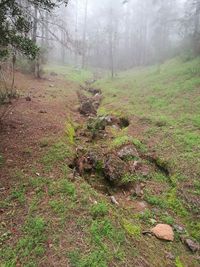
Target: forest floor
x,y
52,217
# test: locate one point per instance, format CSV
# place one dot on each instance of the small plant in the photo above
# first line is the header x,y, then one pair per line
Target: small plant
x,y
175,203
70,131
101,229
67,188
155,200
19,194
178,262
146,215
99,210
131,229
58,206
129,178
167,219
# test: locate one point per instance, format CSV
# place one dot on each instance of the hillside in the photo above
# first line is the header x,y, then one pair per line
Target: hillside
x,y
57,209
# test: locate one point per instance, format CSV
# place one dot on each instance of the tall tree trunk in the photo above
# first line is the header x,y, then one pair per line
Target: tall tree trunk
x,y
84,35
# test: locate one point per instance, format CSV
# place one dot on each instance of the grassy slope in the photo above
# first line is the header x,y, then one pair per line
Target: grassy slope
x,y
63,227
169,98
168,102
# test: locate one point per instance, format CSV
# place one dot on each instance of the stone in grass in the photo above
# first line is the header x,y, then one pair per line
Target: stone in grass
x,y
128,151
163,231
192,245
114,168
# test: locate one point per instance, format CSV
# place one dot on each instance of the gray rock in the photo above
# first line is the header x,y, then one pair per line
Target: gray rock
x,y
192,245
179,229
87,108
114,169
128,151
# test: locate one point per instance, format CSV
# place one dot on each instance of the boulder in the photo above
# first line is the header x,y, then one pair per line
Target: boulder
x,y
114,169
163,231
87,108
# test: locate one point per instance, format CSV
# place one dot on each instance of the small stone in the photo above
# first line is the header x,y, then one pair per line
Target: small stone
x,y
28,98
163,231
51,85
114,201
179,229
192,245
169,256
128,151
138,190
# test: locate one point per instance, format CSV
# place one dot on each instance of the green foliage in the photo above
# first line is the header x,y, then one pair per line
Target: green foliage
x,y
93,259
16,23
67,188
99,210
57,153
58,206
155,200
130,178
167,219
178,262
19,194
70,131
175,203
132,229
194,228
30,246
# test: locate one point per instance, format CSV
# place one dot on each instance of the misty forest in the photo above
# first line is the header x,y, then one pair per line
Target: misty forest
x,y
99,133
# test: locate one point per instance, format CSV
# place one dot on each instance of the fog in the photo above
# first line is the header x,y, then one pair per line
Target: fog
x,y
115,34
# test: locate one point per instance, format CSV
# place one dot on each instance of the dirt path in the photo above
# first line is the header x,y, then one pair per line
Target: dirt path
x,y
31,121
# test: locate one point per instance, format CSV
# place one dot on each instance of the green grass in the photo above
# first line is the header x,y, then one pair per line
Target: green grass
x,y
99,210
30,246
165,100
57,153
70,73
132,229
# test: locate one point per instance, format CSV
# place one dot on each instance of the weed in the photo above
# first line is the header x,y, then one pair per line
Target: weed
x,y
194,228
101,229
70,131
158,176
178,262
67,188
146,215
155,200
58,206
167,219
19,194
99,210
132,229
175,203
130,178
